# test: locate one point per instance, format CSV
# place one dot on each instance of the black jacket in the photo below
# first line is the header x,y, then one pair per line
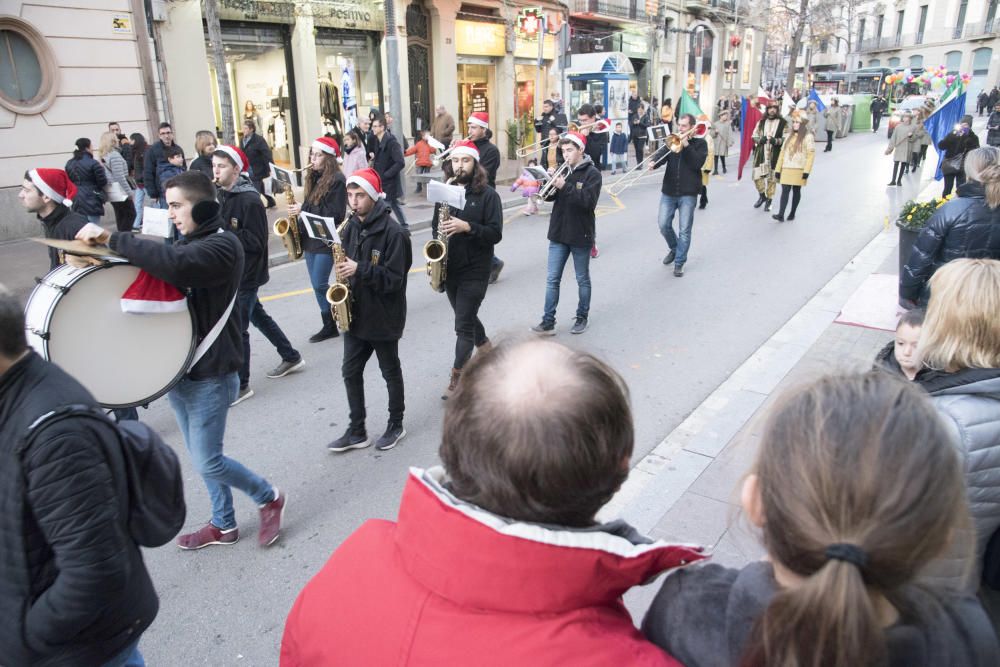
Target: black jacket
x,y
682,176
90,178
378,287
73,586
203,163
207,264
259,155
470,254
547,122
63,224
963,227
243,213
333,205
597,146
956,144
489,159
151,162
388,163
993,129
572,220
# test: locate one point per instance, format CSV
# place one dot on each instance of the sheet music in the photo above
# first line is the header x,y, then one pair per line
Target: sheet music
x,y
320,228
453,195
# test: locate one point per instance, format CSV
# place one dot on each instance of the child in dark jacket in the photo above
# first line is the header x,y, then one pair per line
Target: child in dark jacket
x,y
619,149
899,356
174,164
856,488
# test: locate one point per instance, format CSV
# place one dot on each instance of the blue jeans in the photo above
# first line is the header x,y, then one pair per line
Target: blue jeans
x,y
685,207
319,265
96,219
558,254
200,407
140,198
251,312
130,657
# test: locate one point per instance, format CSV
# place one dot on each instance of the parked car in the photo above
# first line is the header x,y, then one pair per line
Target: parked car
x,y
911,104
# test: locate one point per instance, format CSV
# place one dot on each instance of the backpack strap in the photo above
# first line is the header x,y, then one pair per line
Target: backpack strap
x,y
212,335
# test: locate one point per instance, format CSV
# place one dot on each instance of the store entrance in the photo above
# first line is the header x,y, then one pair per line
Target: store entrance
x,y
348,83
474,90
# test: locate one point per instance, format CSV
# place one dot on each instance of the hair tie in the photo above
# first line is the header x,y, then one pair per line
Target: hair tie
x,y
849,553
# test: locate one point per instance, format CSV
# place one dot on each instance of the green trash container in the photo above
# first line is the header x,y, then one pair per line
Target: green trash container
x,y
862,118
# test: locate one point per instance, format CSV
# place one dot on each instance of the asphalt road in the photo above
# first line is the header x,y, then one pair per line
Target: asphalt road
x,y
673,339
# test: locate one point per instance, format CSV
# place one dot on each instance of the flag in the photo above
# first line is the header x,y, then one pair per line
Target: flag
x,y
943,120
749,117
788,103
688,105
814,97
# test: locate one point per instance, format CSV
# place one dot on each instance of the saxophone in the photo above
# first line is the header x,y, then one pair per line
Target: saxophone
x,y
436,250
339,294
288,229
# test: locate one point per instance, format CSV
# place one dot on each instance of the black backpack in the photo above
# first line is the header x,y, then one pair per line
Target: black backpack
x,y
156,509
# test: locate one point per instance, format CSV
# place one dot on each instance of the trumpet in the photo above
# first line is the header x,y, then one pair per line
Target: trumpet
x,y
542,143
288,229
339,294
675,140
549,187
436,250
446,154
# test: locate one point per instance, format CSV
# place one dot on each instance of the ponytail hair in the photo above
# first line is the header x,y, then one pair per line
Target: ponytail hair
x,y
859,489
983,166
82,144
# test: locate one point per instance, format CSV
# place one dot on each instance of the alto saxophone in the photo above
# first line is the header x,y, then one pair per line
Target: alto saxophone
x,y
288,229
339,294
436,250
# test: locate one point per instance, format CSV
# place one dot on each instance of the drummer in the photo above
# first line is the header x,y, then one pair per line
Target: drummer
x,y
48,193
209,262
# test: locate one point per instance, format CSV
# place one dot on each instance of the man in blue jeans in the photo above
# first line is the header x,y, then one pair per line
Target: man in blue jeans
x,y
208,263
681,185
243,211
571,232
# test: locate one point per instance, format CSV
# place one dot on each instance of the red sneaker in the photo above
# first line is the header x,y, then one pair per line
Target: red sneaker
x,y
206,536
270,519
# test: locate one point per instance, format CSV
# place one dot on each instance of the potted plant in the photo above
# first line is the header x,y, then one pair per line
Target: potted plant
x,y
913,216
514,138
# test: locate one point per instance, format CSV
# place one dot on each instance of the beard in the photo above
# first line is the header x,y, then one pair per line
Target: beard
x,y
464,177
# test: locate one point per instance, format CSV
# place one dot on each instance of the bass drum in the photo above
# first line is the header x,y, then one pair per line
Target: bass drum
x,y
74,319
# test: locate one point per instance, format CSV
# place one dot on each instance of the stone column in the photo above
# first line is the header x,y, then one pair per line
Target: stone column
x,y
443,59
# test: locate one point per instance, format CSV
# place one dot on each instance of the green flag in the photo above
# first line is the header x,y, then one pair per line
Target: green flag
x,y
688,105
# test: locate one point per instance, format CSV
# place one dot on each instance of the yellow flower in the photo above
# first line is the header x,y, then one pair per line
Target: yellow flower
x,y
909,217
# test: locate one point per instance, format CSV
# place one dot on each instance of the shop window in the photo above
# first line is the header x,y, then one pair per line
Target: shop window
x,y
27,68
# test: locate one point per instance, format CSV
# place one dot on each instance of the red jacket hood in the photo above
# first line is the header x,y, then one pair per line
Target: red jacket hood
x,y
477,559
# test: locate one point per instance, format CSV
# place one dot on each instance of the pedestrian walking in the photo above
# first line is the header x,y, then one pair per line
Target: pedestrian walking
x,y
638,128
993,127
205,146
153,161
967,226
139,148
832,119
423,151
355,157
795,162
259,154
571,232
619,149
706,173
546,580
443,126
982,102
377,260
325,196
878,108
118,190
721,134
48,193
994,98
388,162
919,142
241,207
955,146
767,139
846,550
900,148
679,192
90,178
207,264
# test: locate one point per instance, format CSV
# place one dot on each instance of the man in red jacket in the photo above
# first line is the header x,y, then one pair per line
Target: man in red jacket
x,y
499,561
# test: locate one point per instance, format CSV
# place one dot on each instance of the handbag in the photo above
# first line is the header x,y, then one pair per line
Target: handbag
x,y
952,165
115,192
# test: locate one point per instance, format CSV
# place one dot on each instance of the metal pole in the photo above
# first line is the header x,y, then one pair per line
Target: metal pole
x,y
392,59
538,73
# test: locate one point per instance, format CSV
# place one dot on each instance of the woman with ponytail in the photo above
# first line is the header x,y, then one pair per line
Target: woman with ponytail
x,y
968,226
856,488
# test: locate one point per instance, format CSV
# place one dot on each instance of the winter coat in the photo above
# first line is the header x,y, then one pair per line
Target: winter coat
x,y
682,176
489,159
138,167
423,151
90,178
528,183
73,586
61,224
208,265
443,128
886,360
901,142
355,159
832,117
259,155
151,162
619,143
572,221
243,213
963,227
956,144
969,402
470,254
378,288
722,138
165,171
637,130
554,120
332,205
203,163
703,616
993,129
469,587
388,163
597,145
118,167
767,147
796,167
920,137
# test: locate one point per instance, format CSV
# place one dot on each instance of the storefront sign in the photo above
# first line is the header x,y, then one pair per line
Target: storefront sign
x,y
635,46
349,14
528,48
475,38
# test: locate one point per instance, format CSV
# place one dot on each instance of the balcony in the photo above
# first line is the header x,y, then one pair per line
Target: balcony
x,y
968,31
628,10
984,29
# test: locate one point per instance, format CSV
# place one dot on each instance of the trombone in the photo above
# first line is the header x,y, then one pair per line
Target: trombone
x,y
673,143
541,143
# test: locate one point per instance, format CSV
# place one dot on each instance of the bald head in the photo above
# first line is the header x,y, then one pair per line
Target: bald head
x,y
538,432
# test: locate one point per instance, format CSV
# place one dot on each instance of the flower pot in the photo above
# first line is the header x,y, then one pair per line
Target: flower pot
x,y
907,237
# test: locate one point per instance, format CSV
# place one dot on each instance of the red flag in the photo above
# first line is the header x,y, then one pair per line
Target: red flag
x,y
749,117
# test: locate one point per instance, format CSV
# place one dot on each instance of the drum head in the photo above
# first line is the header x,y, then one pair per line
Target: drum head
x,y
123,359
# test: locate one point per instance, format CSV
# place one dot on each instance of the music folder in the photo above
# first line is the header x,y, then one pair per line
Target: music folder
x,y
283,177
320,228
442,193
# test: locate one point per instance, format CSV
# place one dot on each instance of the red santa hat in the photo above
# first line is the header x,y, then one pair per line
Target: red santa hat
x,y
480,118
148,294
54,184
235,154
369,181
465,147
577,139
327,145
